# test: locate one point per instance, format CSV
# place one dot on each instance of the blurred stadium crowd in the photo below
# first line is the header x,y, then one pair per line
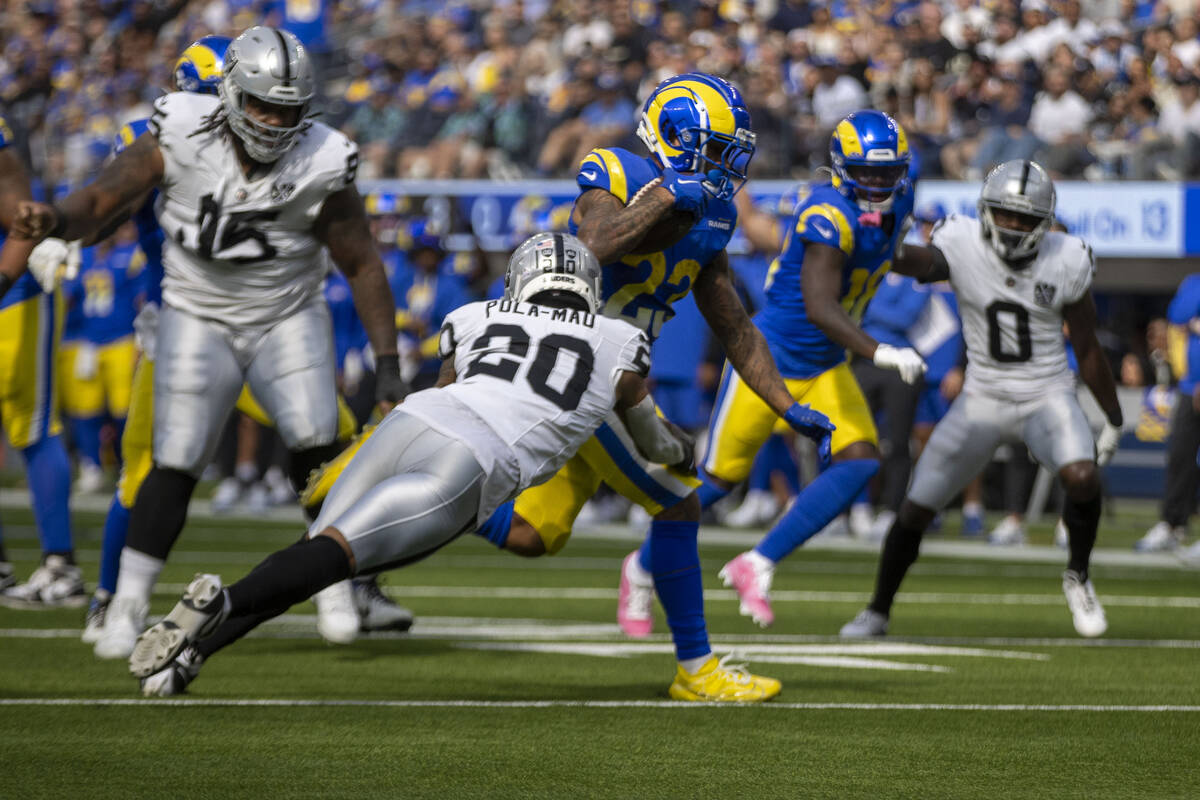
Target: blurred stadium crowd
x,y
1097,89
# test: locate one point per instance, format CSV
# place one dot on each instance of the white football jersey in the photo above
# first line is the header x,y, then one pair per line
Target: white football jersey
x,y
540,379
1013,318
240,250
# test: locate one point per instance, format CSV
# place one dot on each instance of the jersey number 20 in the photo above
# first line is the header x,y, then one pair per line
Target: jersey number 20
x,y
544,360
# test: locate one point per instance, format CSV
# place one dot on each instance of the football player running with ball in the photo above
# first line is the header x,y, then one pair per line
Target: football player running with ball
x,y
1016,282
524,383
659,225
251,189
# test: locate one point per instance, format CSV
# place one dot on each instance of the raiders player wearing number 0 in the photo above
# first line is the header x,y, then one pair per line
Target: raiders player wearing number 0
x,y
524,383
1016,284
250,190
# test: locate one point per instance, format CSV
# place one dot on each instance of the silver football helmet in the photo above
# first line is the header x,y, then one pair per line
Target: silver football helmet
x,y
274,67
553,262
1021,187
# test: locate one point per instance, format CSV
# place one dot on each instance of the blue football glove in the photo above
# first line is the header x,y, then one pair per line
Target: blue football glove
x,y
813,424
688,191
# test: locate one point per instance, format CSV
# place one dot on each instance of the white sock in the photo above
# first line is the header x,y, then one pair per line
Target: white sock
x,y
691,665
972,509
139,572
759,560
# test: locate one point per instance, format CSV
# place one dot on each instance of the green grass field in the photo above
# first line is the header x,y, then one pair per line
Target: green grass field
x,y
516,683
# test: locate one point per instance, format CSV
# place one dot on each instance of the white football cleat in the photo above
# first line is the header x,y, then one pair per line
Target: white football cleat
x,y
1161,536
228,492
759,508
377,611
861,520
1086,610
54,584
1191,554
868,624
1009,533
124,620
93,623
337,617
90,480
174,678
197,614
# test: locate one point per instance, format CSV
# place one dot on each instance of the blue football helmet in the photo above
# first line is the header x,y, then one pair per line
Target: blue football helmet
x,y
419,234
870,158
201,66
698,123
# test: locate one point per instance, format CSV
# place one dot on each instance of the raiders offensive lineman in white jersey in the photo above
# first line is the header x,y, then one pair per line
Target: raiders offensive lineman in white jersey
x,y
1016,284
250,191
525,382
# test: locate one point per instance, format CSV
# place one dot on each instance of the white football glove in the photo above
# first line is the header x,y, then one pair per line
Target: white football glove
x,y
1106,443
905,360
145,329
52,259
87,361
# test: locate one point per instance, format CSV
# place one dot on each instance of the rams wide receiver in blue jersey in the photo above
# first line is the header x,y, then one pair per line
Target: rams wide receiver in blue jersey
x,y
841,242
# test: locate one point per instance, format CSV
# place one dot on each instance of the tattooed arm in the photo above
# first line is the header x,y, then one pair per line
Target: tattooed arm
x,y
609,228
14,190
14,186
342,227
84,212
744,344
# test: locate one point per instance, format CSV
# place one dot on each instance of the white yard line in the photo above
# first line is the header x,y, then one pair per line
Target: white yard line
x,y
601,704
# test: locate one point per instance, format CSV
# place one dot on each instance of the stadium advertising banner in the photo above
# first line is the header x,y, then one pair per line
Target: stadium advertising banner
x,y
1119,219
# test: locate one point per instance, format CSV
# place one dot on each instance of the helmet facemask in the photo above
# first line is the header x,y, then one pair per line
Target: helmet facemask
x,y
874,185
1021,235
263,141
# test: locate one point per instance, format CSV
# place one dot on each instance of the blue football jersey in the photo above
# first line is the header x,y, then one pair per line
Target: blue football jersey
x,y
107,295
641,288
824,216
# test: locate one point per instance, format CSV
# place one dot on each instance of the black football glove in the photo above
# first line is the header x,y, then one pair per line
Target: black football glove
x,y
389,386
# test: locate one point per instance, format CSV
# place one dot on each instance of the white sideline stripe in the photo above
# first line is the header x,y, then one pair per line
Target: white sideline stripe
x,y
654,704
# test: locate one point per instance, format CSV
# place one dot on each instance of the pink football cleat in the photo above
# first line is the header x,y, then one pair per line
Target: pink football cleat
x,y
635,598
750,574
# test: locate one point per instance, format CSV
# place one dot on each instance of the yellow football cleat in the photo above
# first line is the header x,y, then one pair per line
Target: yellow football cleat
x,y
723,682
321,479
